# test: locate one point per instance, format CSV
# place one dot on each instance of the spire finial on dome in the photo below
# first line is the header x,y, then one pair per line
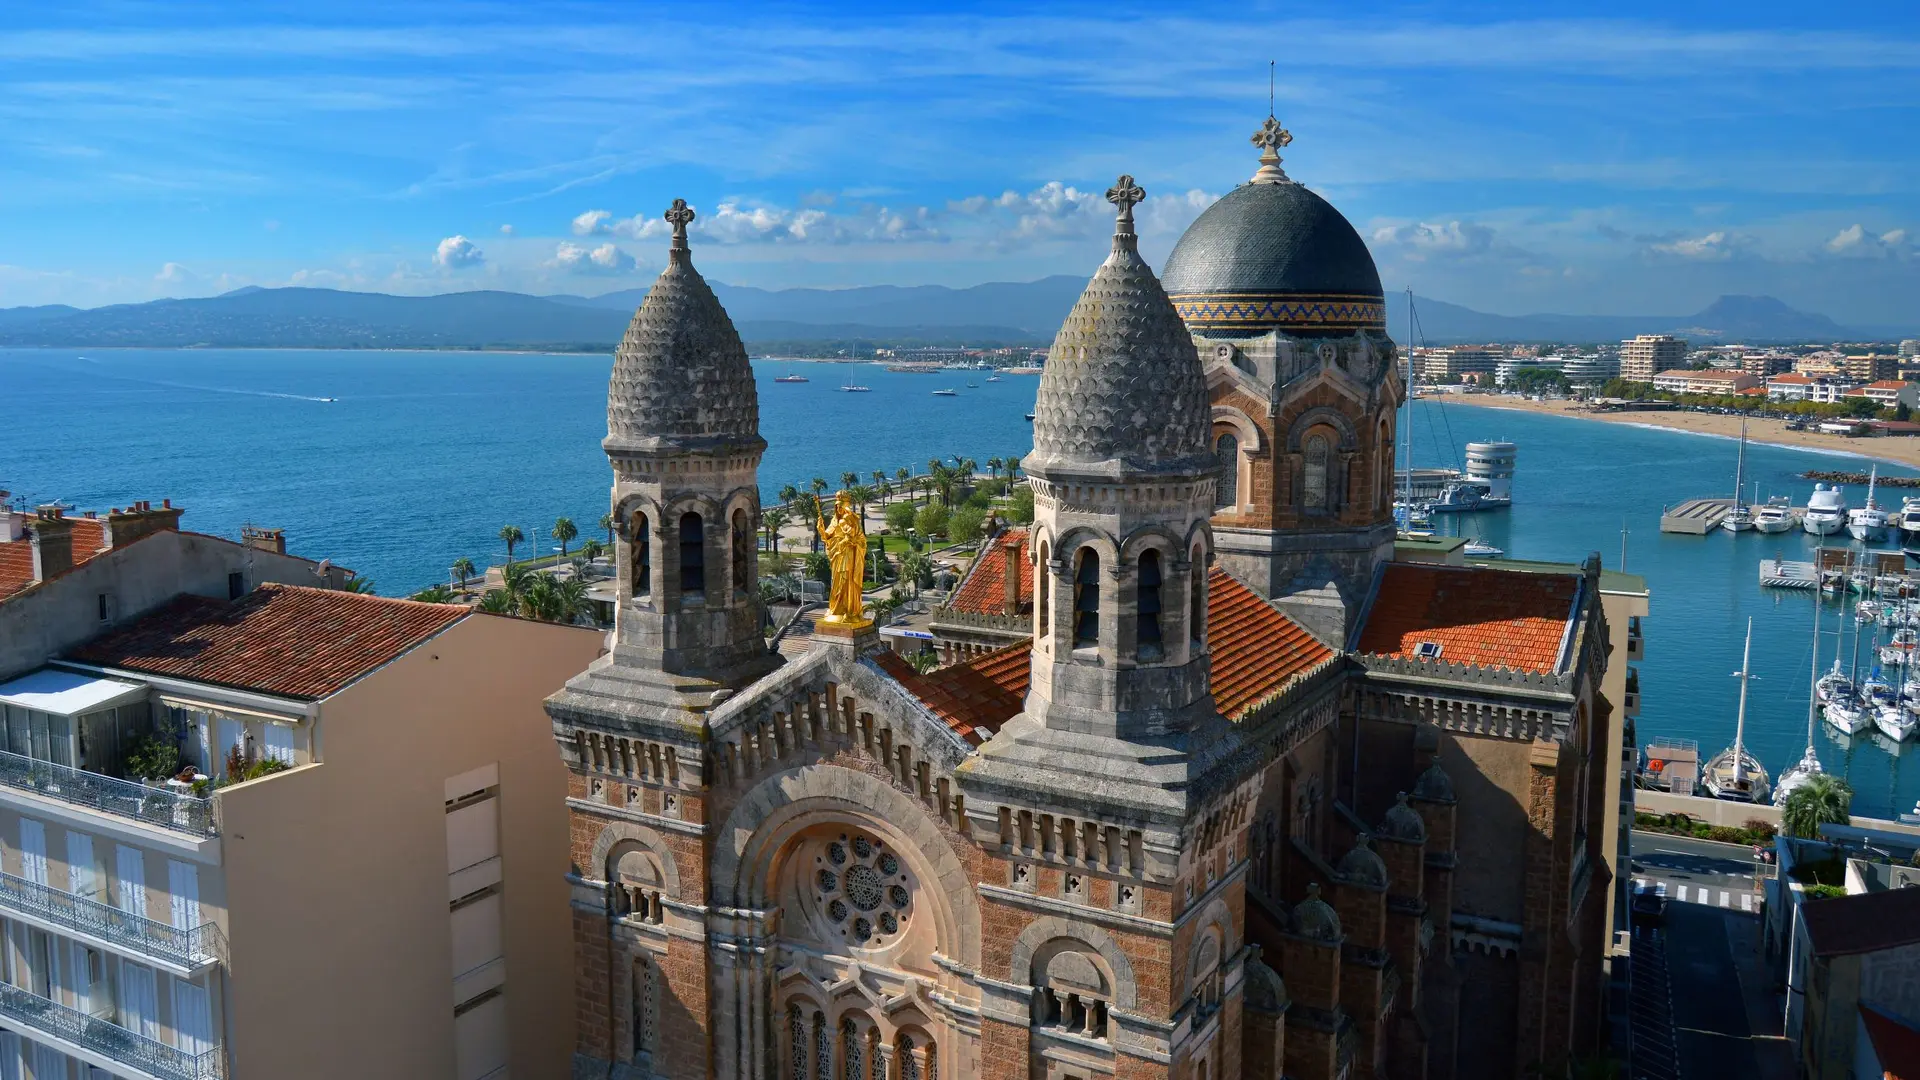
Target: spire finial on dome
x,y
678,215
1125,194
1270,138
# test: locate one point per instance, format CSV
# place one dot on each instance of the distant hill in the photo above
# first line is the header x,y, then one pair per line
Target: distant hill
x,y
1731,318
998,313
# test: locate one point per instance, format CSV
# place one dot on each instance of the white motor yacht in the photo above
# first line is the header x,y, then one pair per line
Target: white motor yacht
x,y
1908,517
1868,524
1775,517
1826,511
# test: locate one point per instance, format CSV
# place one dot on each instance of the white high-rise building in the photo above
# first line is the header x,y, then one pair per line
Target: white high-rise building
x,y
1647,355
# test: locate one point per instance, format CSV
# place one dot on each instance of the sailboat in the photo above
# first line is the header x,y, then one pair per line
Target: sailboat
x,y
1740,517
1869,522
1733,774
1809,764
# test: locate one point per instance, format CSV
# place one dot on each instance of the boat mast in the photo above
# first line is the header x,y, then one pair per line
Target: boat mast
x,y
1740,468
1813,698
1740,721
1408,433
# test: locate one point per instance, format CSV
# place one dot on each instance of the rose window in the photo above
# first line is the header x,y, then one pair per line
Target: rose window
x,y
862,890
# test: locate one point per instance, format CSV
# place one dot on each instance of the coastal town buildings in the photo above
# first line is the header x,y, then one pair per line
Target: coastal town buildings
x,y
1248,797
250,826
1909,347
1888,393
1870,367
1708,381
1765,364
1590,368
1646,355
1459,363
1796,387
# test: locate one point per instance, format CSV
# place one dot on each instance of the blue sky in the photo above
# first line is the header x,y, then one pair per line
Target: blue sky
x,y
1511,157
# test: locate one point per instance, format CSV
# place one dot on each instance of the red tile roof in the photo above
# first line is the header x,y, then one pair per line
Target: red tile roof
x,y
1477,615
974,697
287,640
1894,1043
1869,922
16,557
1256,650
984,590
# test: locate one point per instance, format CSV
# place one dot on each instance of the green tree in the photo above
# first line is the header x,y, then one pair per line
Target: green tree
x,y
1822,800
606,526
1013,466
592,549
788,494
932,519
917,567
512,535
993,467
965,525
773,520
924,661
900,517
862,495
1020,505
905,476
463,569
819,485
879,479
1862,407
359,585
564,532
434,594
1902,412
820,568
807,505
849,478
498,602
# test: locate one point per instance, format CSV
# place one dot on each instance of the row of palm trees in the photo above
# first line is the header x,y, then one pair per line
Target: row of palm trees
x,y
564,530
939,480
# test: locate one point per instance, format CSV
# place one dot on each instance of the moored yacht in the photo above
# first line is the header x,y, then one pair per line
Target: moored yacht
x,y
1869,522
1908,517
1774,517
1826,511
1833,685
1809,764
1740,517
1734,774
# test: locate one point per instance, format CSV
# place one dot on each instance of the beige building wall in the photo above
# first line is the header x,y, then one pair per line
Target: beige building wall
x,y
1622,605
337,873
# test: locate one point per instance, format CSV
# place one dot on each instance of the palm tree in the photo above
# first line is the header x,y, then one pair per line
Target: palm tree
x,y
969,468
879,478
848,479
807,505
463,569
862,494
1013,466
592,549
512,535
788,494
564,532
914,566
905,476
363,585
1823,799
773,520
819,485
606,523
993,467
497,602
434,594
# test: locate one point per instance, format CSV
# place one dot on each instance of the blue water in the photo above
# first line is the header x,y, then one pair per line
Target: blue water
x,y
424,456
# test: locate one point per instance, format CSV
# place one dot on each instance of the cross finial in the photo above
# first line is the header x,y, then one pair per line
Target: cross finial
x,y
1270,138
1125,194
678,215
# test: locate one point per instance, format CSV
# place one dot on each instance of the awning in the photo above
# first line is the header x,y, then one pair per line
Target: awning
x,y
67,692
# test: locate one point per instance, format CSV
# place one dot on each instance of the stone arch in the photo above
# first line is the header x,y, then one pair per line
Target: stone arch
x,y
1084,536
628,505
795,799
691,502
619,832
1143,537
1383,467
1046,930
1347,439
1252,439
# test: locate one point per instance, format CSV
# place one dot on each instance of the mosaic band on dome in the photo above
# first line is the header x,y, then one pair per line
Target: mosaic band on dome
x,y
1251,311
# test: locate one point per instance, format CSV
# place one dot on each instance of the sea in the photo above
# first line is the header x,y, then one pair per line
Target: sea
x,y
395,463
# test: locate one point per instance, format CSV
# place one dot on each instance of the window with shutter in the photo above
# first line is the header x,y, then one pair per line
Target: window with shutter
x,y
183,886
33,851
131,864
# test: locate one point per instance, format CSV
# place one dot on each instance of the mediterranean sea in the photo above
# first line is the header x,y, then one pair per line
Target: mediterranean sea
x,y
421,457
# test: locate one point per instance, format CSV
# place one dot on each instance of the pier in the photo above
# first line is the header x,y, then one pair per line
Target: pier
x,y
1778,573
1695,517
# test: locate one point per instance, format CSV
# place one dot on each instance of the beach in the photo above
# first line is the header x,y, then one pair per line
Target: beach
x,y
1900,450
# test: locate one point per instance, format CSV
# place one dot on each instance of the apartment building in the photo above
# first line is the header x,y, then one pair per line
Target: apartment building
x,y
1823,366
286,834
1710,381
1644,356
1597,368
1762,365
1459,363
1796,387
1871,367
1887,393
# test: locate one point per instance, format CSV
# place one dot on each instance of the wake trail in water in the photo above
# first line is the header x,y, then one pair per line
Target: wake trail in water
x,y
207,389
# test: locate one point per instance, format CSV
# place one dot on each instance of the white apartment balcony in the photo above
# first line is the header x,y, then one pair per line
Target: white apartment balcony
x,y
185,953
188,815
102,1043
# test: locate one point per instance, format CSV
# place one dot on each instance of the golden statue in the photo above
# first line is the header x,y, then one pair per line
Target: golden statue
x,y
846,541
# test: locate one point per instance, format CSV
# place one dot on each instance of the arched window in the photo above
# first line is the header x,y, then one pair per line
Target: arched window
x,y
693,554
1197,598
1383,466
1147,623
742,553
1226,451
796,1044
822,1049
1314,491
640,545
1086,599
1042,595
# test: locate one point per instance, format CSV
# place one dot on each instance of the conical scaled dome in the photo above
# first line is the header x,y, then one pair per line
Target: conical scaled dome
x,y
1123,383
681,380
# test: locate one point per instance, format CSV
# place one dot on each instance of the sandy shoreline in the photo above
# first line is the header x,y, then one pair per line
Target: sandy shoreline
x,y
1899,451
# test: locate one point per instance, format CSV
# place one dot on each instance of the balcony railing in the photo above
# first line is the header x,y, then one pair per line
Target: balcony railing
x,y
169,944
37,1016
124,798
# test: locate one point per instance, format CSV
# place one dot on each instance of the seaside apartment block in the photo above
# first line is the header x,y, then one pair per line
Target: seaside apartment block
x,y
1646,355
353,863
1710,381
1458,364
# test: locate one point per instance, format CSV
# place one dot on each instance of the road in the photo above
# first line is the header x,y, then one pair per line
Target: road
x,y
1705,962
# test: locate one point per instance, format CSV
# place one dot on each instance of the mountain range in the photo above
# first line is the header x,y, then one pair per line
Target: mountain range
x,y
998,313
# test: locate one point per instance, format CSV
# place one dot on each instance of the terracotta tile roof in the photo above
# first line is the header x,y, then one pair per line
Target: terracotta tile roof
x,y
288,640
16,557
1894,1043
1256,650
1869,922
1886,384
984,590
1477,615
974,697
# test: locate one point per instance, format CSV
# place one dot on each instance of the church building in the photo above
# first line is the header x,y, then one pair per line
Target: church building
x,y
1226,791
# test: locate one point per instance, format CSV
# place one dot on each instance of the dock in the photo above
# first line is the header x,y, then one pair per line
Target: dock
x,y
1788,574
1695,517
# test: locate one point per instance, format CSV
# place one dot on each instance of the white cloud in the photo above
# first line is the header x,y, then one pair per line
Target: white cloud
x,y
1718,244
605,259
1427,238
1856,240
457,251
506,230
734,222
175,274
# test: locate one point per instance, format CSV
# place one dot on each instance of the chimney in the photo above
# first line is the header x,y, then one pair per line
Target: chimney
x,y
1016,554
140,519
260,539
52,543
